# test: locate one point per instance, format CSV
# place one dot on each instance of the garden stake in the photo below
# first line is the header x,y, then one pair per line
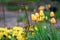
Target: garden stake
x,y
26,11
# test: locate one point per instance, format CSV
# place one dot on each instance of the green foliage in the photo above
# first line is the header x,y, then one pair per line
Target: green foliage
x,y
13,38
47,13
12,8
7,1
56,0
4,1
48,33
57,14
33,0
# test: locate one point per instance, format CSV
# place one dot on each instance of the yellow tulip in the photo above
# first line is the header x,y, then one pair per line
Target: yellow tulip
x,y
7,33
14,33
34,18
53,21
18,28
9,36
20,38
21,32
41,8
1,34
41,13
9,30
43,17
40,19
17,31
20,35
3,31
31,28
37,14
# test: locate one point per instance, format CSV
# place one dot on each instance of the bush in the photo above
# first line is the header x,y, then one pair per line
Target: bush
x,y
57,14
12,8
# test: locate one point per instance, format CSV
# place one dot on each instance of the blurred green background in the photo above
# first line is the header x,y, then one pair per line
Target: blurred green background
x,y
13,5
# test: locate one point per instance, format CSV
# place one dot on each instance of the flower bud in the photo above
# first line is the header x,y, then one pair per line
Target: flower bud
x,y
46,18
53,21
34,10
51,14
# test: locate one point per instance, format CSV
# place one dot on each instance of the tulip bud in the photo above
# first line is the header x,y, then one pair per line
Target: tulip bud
x,y
45,27
36,28
46,18
51,14
26,7
34,10
53,21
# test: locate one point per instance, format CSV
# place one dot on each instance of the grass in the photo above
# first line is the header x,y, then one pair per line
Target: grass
x,y
45,34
